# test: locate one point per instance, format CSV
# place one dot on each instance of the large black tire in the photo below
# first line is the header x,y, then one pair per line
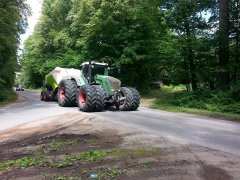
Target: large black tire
x,y
126,104
52,96
66,93
45,96
135,99
76,92
41,96
100,98
87,98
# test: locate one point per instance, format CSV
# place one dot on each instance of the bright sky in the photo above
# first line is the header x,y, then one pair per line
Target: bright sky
x,y
36,6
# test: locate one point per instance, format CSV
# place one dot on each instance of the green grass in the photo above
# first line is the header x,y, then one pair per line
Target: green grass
x,y
135,153
111,173
24,162
7,97
208,103
88,157
54,146
64,161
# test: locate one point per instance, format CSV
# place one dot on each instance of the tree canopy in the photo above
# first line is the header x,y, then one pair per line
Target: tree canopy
x,y
178,42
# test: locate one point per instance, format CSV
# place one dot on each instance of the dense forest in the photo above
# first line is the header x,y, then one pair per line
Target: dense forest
x,y
195,42
13,21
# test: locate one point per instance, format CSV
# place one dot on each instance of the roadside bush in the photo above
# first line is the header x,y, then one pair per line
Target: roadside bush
x,y
235,92
6,96
205,100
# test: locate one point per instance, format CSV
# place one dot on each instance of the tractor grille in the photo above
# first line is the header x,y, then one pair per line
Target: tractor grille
x,y
114,83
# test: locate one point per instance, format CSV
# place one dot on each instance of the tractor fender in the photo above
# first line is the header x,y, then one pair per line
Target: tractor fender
x,y
76,79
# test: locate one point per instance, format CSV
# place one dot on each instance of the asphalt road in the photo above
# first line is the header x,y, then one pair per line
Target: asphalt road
x,y
213,133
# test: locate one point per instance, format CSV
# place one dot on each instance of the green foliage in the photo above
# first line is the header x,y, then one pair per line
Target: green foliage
x,y
7,96
204,100
121,33
135,153
146,164
89,156
24,162
111,173
12,22
66,160
55,145
169,40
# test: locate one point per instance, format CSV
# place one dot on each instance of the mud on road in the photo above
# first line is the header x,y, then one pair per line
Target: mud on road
x,y
76,146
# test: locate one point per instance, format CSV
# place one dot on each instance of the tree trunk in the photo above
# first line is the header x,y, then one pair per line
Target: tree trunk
x,y
191,59
237,66
223,74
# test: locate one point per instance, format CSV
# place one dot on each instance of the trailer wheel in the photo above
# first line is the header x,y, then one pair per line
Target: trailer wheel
x,y
66,93
100,98
45,96
86,98
135,99
126,104
41,96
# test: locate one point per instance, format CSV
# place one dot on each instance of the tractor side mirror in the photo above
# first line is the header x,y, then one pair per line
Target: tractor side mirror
x,y
119,70
115,70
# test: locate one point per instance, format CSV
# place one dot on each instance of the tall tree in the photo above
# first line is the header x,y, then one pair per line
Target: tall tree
x,y
235,39
186,21
224,74
12,22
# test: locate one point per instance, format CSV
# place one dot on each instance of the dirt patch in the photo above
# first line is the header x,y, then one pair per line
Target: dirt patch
x,y
88,147
210,172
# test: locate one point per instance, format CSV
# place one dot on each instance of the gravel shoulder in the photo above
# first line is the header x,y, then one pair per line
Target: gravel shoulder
x,y
76,145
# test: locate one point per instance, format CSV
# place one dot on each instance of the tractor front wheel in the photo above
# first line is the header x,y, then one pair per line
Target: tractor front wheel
x,y
100,98
66,93
86,98
135,99
126,103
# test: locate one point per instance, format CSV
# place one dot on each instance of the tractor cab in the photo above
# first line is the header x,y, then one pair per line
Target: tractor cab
x,y
91,69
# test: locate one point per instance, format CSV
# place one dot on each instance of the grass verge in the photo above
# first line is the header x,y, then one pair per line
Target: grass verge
x,y
7,97
207,103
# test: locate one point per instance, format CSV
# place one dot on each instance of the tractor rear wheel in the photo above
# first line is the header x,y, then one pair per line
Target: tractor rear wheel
x,y
135,99
86,98
66,93
125,104
100,98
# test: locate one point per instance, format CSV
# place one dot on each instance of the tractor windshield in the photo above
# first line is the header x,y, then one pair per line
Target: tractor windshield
x,y
99,70
96,69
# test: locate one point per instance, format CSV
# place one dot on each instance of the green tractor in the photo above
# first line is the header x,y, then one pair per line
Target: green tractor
x,y
90,88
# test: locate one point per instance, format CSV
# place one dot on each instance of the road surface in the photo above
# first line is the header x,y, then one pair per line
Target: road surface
x,y
213,133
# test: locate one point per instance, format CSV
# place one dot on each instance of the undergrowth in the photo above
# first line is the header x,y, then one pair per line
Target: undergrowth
x,y
7,96
213,103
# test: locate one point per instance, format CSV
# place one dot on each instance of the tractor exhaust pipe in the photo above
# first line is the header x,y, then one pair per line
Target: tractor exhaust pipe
x,y
90,72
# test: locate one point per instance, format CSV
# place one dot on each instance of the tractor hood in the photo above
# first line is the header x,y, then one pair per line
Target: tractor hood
x,y
114,83
110,84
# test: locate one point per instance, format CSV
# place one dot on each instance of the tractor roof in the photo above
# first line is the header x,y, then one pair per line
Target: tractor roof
x,y
94,63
